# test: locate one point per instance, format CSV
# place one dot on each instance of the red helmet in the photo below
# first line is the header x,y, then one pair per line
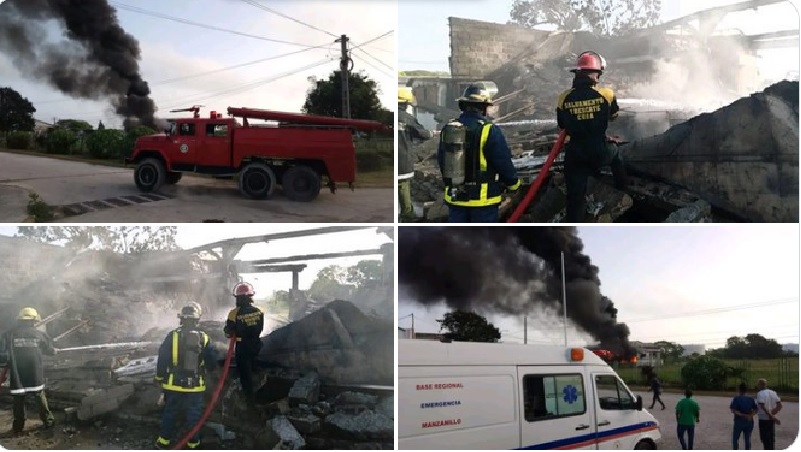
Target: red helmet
x,y
590,61
244,288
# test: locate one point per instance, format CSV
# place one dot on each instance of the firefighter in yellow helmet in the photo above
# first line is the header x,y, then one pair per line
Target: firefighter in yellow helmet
x,y
184,358
475,161
409,130
584,111
23,347
246,322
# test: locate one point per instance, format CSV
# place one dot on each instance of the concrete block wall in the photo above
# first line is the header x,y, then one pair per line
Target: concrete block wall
x,y
478,48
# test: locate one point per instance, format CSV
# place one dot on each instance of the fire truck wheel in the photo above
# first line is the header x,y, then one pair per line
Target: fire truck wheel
x,y
150,174
301,183
257,181
173,177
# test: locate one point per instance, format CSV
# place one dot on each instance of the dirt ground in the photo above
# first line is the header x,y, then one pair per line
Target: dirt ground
x,y
715,429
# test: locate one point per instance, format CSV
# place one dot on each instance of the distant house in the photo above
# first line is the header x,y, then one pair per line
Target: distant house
x,y
691,349
790,348
408,333
647,354
41,126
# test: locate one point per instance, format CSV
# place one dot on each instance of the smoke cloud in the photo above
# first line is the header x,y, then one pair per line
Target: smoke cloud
x,y
509,270
95,59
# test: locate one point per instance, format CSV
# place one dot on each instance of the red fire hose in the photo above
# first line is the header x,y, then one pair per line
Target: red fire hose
x,y
532,191
214,397
3,376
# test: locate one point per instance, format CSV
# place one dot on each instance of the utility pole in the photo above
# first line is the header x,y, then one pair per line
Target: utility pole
x,y
564,296
344,72
413,325
525,329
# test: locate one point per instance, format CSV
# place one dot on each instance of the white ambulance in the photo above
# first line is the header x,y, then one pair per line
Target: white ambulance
x,y
466,395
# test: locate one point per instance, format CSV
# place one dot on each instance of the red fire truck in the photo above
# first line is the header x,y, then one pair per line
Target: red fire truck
x,y
294,150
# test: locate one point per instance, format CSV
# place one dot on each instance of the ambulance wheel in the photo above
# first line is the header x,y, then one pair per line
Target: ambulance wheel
x,y
150,175
301,183
257,181
645,445
173,177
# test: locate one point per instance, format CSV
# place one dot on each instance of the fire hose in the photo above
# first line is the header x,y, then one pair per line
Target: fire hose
x,y
215,396
532,191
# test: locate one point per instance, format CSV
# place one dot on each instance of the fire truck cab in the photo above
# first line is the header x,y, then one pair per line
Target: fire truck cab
x,y
468,396
293,150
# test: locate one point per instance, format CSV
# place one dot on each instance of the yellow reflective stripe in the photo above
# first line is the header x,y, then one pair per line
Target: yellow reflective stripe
x,y
163,441
205,339
193,445
174,348
482,161
475,202
171,387
515,186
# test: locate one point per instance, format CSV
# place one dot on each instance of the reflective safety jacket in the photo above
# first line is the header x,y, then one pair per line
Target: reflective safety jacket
x,y
24,346
488,160
584,111
246,322
409,130
184,357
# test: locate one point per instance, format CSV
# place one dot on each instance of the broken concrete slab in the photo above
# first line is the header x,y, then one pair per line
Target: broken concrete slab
x,y
367,425
355,398
104,401
288,435
305,390
697,212
306,424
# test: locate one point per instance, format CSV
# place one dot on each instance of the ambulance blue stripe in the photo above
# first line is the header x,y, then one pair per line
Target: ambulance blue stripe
x,y
589,437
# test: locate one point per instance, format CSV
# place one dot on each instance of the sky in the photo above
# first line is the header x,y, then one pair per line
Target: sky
x,y
190,236
171,50
423,40
662,279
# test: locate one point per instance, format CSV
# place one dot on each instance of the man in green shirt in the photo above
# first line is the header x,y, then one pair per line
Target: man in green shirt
x,y
688,413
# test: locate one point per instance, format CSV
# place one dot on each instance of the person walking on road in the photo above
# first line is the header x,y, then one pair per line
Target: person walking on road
x,y
688,413
744,408
769,405
656,388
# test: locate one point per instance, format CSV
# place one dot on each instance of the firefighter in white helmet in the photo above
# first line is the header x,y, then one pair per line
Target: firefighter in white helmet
x,y
246,322
23,347
184,358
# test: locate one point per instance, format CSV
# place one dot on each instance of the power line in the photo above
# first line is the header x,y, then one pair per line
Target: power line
x,y
715,310
262,7
137,10
215,71
374,66
376,59
381,36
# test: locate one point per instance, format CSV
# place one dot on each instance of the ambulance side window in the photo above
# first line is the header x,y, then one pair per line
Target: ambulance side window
x,y
612,395
553,396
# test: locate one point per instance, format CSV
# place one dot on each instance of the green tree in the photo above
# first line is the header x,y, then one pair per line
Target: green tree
x,y
74,125
16,112
705,372
106,143
670,350
465,326
120,239
324,98
605,17
337,282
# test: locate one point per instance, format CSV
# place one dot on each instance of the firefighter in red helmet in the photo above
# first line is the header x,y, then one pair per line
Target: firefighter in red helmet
x,y
246,322
584,111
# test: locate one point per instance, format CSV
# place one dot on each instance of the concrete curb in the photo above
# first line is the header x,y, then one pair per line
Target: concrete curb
x,y
14,204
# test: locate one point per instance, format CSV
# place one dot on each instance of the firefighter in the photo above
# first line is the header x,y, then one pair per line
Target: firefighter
x,y
584,112
23,347
409,129
246,322
475,161
184,358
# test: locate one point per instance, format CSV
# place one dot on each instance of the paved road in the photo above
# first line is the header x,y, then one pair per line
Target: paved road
x,y
108,195
714,431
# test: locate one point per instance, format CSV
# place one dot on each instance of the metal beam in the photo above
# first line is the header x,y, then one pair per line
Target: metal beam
x,y
276,236
248,266
311,257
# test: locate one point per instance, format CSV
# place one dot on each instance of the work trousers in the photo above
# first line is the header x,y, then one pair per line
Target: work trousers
x,y
245,356
485,214
767,434
405,200
176,403
657,398
690,429
578,170
745,428
20,415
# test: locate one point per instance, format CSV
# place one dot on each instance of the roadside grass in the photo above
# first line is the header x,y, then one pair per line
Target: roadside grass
x,y
383,178
72,158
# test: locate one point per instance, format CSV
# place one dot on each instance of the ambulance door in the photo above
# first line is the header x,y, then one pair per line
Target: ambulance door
x,y
554,408
618,421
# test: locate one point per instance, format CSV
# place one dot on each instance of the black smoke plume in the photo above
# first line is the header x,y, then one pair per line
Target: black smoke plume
x,y
96,59
509,270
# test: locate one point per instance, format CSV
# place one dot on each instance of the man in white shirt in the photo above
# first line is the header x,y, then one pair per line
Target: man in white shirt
x,y
769,405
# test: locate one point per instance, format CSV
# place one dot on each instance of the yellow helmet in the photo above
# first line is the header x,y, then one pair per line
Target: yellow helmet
x,y
406,95
476,93
28,314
